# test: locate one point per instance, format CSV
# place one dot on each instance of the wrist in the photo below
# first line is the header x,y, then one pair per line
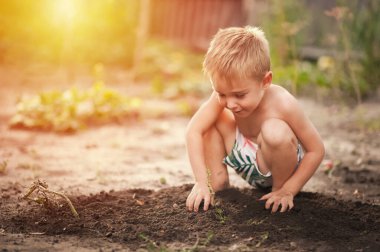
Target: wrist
x,y
291,190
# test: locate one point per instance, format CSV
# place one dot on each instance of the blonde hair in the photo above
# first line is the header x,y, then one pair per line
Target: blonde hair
x,y
238,52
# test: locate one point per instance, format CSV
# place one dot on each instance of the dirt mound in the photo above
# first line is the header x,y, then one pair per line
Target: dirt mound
x,y
158,220
363,176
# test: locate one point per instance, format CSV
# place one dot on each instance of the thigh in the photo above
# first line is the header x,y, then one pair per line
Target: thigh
x,y
277,142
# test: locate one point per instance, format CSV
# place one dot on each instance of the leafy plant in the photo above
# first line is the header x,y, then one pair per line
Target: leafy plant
x,y
171,70
359,30
73,109
348,35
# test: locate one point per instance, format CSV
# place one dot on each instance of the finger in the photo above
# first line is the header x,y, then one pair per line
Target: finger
x,y
268,203
266,196
284,205
276,204
197,202
291,205
212,199
206,203
190,201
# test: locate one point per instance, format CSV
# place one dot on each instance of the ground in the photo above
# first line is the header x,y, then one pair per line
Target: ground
x,y
129,182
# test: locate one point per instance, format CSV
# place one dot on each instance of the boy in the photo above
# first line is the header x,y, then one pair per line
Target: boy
x,y
249,124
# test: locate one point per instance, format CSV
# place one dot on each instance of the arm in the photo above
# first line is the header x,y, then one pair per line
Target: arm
x,y
314,152
313,146
201,122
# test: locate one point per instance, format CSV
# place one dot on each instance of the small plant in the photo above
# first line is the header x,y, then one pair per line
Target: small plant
x,y
152,245
198,246
171,70
163,181
73,109
28,166
220,215
3,167
210,187
44,196
255,221
263,238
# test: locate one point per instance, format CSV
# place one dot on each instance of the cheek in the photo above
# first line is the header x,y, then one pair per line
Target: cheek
x,y
249,102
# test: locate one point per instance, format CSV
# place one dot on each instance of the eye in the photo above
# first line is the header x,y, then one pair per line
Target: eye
x,y
221,95
239,96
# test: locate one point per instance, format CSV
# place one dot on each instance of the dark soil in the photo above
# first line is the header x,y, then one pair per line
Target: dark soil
x,y
98,169
158,220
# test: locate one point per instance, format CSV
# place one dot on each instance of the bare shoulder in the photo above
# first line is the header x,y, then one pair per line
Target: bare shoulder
x,y
206,115
284,100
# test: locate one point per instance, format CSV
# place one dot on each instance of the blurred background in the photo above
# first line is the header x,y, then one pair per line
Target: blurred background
x,y
325,50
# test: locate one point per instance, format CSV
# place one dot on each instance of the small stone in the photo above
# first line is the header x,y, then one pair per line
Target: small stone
x,y
175,205
293,244
359,161
109,234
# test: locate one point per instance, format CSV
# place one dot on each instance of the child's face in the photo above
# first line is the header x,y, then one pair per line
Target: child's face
x,y
241,96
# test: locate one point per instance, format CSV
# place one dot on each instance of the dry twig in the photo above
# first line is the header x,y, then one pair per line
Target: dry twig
x,y
40,187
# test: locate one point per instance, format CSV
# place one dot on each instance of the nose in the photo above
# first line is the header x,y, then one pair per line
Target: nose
x,y
231,104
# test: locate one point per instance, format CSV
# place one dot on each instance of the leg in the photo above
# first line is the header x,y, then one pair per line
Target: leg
x,y
277,152
217,141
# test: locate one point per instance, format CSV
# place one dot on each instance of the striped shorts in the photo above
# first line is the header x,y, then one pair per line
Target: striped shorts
x,y
243,160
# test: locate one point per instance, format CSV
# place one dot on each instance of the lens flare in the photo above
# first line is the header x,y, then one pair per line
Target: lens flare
x,y
64,11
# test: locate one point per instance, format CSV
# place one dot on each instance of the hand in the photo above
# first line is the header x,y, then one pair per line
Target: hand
x,y
198,193
281,196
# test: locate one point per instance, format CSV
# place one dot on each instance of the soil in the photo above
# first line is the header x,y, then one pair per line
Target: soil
x,y
129,182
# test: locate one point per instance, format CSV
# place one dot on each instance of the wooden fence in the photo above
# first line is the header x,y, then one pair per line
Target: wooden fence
x,y
192,23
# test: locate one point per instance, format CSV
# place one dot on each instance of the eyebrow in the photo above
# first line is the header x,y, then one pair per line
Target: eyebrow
x,y
234,93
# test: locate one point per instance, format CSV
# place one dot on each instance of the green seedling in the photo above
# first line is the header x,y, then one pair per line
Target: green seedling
x,y
152,245
163,181
43,196
220,215
210,187
255,221
263,237
3,166
29,166
198,246
100,176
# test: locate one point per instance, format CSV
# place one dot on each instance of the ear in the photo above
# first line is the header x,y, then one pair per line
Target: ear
x,y
267,80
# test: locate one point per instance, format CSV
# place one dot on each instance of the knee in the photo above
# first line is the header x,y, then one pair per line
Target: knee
x,y
220,184
276,133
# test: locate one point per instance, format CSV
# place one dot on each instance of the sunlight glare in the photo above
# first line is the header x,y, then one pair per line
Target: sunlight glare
x,y
65,10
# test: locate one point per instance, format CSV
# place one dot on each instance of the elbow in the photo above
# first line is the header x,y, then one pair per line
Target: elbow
x,y
321,151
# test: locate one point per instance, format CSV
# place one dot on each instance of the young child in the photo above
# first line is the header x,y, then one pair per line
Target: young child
x,y
249,124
